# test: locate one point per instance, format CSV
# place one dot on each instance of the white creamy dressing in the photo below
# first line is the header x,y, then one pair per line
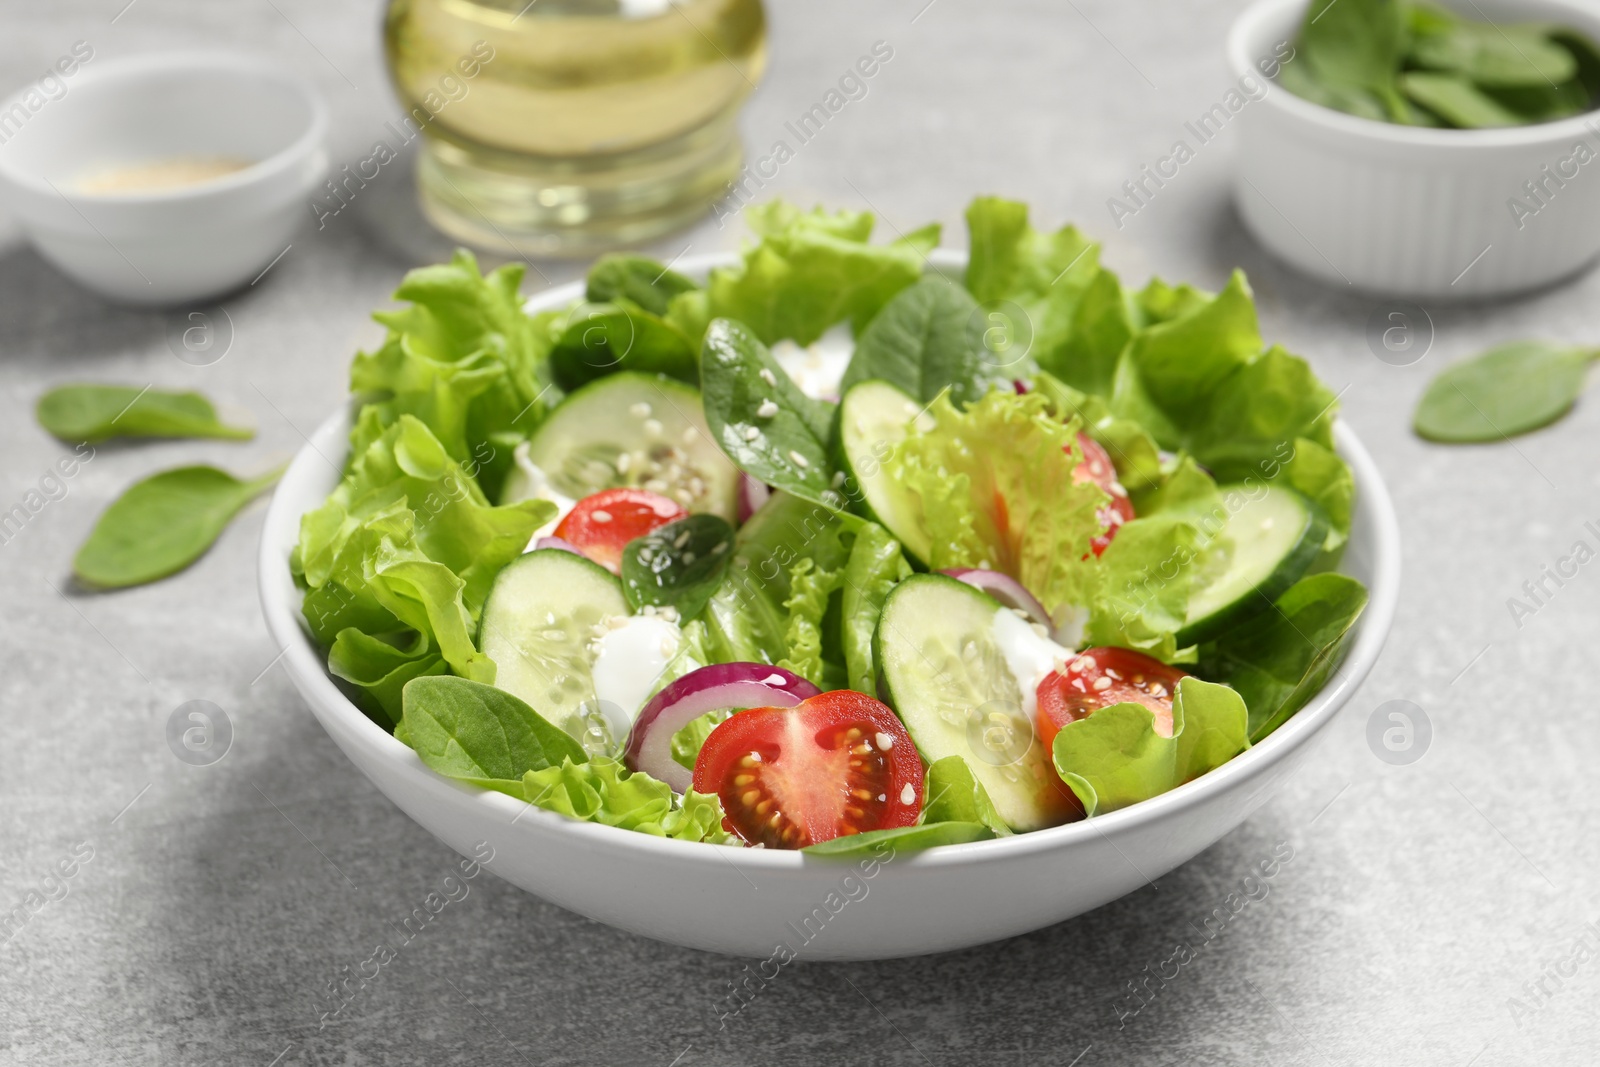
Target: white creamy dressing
x,y
818,368
527,481
630,656
1029,654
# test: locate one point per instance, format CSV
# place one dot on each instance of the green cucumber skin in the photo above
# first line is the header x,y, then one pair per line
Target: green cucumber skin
x,y
1294,565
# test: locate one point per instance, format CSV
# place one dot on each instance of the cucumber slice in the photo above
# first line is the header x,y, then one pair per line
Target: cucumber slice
x,y
1262,549
874,418
539,627
946,676
657,423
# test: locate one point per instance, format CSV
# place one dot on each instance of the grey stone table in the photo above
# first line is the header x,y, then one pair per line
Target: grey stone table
x,y
1429,910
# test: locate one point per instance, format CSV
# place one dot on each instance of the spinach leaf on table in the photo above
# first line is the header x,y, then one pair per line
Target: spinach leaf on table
x,y
1507,390
678,565
96,413
163,524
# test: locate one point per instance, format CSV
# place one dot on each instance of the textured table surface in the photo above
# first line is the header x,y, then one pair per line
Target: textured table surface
x,y
1423,906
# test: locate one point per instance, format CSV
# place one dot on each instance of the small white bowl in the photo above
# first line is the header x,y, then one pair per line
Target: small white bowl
x,y
174,244
748,901
1413,212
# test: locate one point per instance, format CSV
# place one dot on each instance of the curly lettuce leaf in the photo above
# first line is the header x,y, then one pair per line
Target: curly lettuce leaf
x,y
465,359
997,491
1132,450
604,791
810,588
812,269
1114,757
406,547
1281,658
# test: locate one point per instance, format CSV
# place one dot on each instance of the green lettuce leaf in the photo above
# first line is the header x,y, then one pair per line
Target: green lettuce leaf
x,y
1133,451
1046,275
465,359
1114,757
406,546
811,270
1281,658
603,791
1182,360
810,588
954,795
1103,323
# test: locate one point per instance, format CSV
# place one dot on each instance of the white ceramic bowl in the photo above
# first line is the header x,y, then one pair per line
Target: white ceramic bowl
x,y
743,901
1401,211
169,245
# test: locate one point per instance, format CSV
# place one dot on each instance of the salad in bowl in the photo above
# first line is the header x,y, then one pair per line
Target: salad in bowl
x,y
845,546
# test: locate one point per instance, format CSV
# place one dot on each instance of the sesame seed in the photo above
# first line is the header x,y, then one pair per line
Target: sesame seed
x,y
1158,690
907,795
1101,685
652,427
1118,490
767,409
600,516
768,377
681,540
799,460
884,741
641,410
1111,673
622,462
688,558
752,433
689,434
838,479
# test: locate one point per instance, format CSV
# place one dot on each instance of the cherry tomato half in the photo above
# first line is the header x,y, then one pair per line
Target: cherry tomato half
x,y
839,763
1100,677
601,524
1097,468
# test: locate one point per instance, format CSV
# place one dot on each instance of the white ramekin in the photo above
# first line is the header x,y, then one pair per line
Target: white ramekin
x,y
1414,212
748,901
171,245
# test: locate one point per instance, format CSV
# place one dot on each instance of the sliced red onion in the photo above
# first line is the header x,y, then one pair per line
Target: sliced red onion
x,y
1004,588
557,542
1020,386
721,685
752,494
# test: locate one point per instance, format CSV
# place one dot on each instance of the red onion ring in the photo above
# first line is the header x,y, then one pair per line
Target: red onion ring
x,y
1004,588
721,685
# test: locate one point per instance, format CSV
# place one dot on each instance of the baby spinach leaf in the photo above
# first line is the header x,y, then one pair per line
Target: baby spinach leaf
x,y
621,336
929,337
163,524
884,844
678,565
1353,43
1507,390
481,734
1457,101
954,795
638,279
95,413
1281,658
1490,55
769,428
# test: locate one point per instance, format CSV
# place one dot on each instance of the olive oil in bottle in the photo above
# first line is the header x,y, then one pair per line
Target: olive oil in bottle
x,y
566,127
